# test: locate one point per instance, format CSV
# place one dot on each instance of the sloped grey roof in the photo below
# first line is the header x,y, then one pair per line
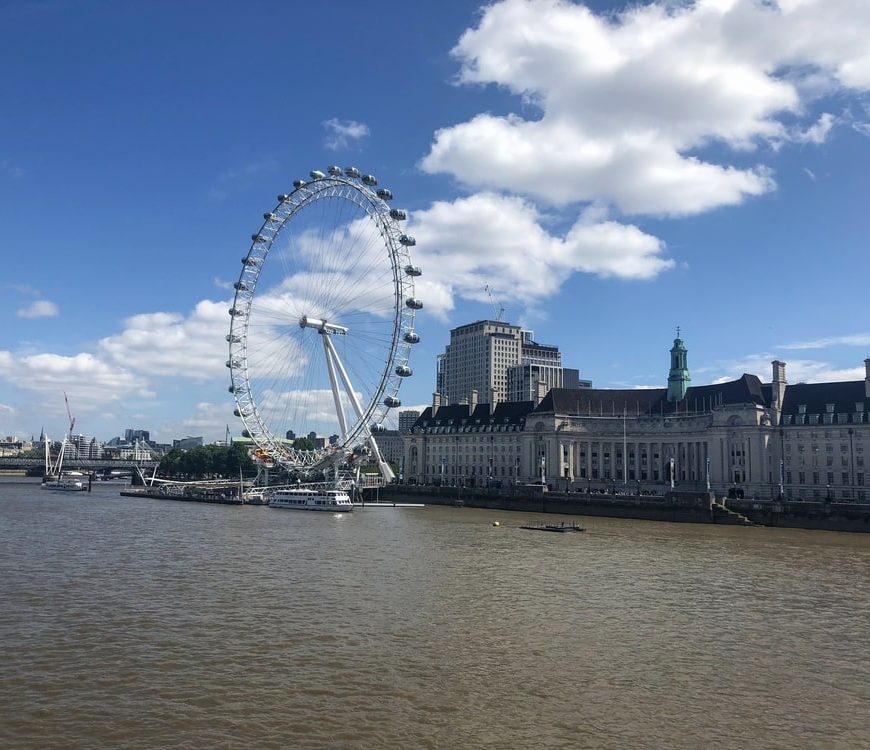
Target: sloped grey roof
x,y
816,397
747,389
506,412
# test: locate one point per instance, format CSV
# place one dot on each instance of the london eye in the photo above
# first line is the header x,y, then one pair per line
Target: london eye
x,y
322,322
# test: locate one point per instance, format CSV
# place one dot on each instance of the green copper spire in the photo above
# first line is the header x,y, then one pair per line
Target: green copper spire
x,y
678,377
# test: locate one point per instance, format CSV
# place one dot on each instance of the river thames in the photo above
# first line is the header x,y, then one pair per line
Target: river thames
x,y
142,623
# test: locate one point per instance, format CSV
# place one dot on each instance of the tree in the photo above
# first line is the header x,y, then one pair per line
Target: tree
x,y
208,460
303,444
238,459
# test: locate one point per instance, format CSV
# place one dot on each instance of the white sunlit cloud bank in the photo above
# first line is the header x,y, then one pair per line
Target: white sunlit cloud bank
x,y
627,101
465,244
619,112
154,356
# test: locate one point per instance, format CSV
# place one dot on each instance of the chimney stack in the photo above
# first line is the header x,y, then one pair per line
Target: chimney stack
x,y
436,403
540,391
472,402
493,401
867,378
778,387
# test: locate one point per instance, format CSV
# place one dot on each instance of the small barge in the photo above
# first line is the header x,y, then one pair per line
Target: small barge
x,y
559,528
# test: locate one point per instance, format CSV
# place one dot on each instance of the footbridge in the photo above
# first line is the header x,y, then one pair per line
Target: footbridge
x,y
93,464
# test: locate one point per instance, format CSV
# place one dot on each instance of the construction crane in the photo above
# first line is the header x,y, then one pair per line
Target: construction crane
x,y
72,419
497,309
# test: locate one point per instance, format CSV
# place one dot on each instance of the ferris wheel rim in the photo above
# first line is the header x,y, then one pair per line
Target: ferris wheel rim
x,y
395,243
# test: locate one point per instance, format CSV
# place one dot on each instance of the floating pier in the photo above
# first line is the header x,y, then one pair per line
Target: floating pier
x,y
559,528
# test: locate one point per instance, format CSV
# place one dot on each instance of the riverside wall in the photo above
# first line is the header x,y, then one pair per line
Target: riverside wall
x,y
680,507
805,515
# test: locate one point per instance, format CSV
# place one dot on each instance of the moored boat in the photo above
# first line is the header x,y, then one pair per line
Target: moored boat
x,y
65,483
333,501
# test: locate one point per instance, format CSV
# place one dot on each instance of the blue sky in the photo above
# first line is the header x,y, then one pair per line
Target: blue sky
x,y
611,170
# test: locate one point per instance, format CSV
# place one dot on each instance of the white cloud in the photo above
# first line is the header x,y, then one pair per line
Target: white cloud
x,y
41,308
7,410
502,241
797,370
563,165
818,131
341,134
170,344
857,339
208,420
627,100
89,382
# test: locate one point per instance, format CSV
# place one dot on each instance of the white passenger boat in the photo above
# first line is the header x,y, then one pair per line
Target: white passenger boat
x,y
293,498
65,483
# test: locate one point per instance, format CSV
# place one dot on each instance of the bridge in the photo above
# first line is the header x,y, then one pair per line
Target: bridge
x,y
13,462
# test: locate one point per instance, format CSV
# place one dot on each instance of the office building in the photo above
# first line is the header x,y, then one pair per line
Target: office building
x,y
407,419
493,361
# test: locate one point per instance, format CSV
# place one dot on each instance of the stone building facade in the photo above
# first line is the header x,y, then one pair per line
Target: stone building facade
x,y
804,441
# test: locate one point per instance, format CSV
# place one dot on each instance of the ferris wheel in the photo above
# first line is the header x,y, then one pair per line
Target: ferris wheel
x,y
322,322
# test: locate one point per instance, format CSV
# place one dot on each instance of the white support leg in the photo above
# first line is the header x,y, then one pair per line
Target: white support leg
x,y
334,383
386,471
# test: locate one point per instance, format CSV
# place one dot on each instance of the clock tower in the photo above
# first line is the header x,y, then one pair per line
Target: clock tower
x,y
678,377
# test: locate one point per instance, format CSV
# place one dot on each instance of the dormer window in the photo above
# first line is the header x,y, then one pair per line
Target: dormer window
x,y
859,406
802,409
829,408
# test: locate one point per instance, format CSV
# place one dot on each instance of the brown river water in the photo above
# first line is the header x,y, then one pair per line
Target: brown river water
x,y
141,623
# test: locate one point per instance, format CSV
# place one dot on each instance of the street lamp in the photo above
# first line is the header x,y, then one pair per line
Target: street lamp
x,y
781,464
624,449
852,462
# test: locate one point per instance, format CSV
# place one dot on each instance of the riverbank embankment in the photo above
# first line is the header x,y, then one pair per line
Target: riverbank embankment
x,y
680,507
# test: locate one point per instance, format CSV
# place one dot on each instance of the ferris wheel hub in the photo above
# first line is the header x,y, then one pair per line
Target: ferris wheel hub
x,y
322,326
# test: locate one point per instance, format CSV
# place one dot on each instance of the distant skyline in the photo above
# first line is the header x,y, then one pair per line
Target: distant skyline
x,y
611,170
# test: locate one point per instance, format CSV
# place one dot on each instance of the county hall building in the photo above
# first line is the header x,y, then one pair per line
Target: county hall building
x,y
743,437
